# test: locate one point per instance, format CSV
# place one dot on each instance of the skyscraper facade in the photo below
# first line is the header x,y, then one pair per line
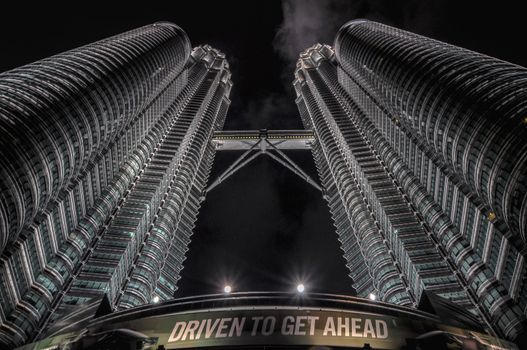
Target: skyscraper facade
x,y
104,154
106,151
421,147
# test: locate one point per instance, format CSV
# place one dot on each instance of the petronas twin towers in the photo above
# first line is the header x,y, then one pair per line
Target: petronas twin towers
x,y
421,149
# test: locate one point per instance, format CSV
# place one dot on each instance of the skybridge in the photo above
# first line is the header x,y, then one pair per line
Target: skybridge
x,y
271,143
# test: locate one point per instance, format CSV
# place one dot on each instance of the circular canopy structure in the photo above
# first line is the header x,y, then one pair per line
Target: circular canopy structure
x,y
257,320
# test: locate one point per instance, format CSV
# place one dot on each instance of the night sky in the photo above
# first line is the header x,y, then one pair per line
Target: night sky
x,y
264,228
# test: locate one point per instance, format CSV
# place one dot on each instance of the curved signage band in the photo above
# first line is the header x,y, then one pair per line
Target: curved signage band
x,y
267,325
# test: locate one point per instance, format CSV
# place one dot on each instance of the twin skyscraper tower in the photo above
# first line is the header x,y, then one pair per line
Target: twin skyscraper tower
x,y
105,153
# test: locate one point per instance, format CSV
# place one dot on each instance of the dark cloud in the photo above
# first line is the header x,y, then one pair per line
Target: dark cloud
x,y
307,22
269,110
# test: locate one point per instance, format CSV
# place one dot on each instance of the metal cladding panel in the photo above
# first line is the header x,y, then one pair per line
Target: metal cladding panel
x,y
59,112
247,139
95,139
435,137
470,108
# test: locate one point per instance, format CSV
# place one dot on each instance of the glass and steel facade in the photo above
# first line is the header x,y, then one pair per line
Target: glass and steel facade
x,y
104,154
421,148
422,151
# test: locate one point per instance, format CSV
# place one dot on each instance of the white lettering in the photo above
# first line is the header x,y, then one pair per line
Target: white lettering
x,y
291,325
312,320
343,326
222,327
330,327
368,329
200,330
210,329
237,326
189,331
355,327
288,325
382,329
256,321
268,325
300,322
179,327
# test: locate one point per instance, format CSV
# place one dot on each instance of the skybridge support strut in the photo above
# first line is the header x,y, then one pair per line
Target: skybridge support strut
x,y
269,142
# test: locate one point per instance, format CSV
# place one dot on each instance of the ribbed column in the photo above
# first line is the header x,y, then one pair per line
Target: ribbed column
x,y
58,113
467,106
174,221
106,106
439,116
363,239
